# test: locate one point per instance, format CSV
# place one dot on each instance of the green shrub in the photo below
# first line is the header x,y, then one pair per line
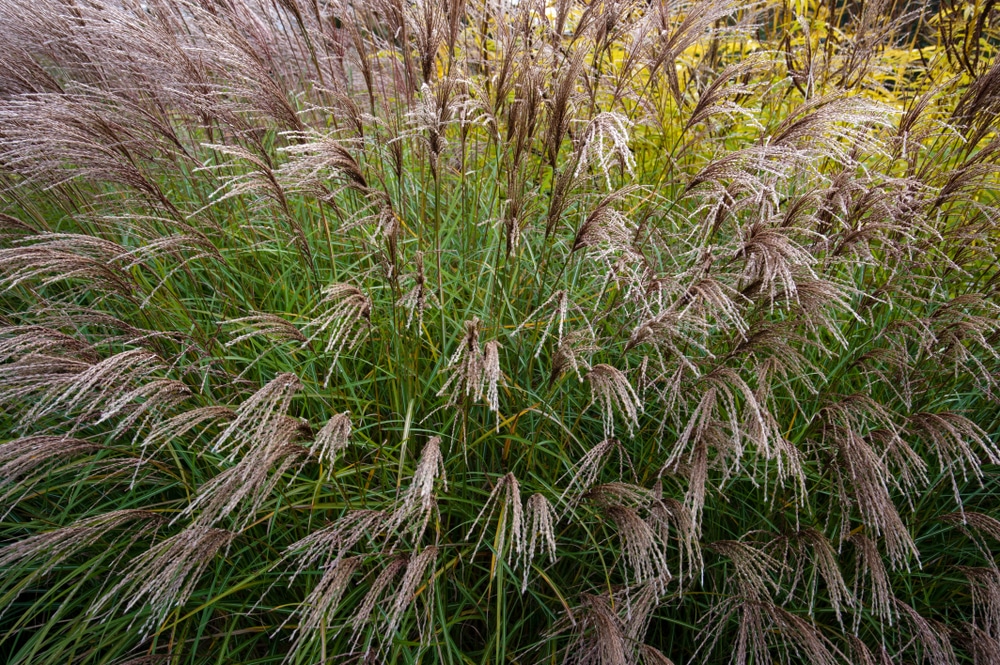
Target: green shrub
x,y
471,332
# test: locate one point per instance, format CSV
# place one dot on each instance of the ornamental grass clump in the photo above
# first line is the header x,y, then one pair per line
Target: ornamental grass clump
x,y
481,331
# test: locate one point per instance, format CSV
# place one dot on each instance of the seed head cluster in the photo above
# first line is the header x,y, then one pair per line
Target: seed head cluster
x,y
467,331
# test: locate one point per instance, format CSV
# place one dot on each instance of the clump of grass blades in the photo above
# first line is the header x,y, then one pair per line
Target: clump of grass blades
x,y
478,331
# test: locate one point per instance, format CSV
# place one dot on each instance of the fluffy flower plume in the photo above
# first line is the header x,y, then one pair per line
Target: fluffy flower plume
x,y
344,313
611,391
410,331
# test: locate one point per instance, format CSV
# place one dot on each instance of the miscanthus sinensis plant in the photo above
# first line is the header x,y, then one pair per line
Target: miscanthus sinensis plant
x,y
480,331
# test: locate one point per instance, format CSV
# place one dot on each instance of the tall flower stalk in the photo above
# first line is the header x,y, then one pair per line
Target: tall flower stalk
x,y
479,331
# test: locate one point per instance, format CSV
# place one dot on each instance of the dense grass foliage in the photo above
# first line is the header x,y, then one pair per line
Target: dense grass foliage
x,y
483,331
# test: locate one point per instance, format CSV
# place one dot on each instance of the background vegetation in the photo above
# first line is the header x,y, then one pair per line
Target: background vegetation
x,y
493,331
